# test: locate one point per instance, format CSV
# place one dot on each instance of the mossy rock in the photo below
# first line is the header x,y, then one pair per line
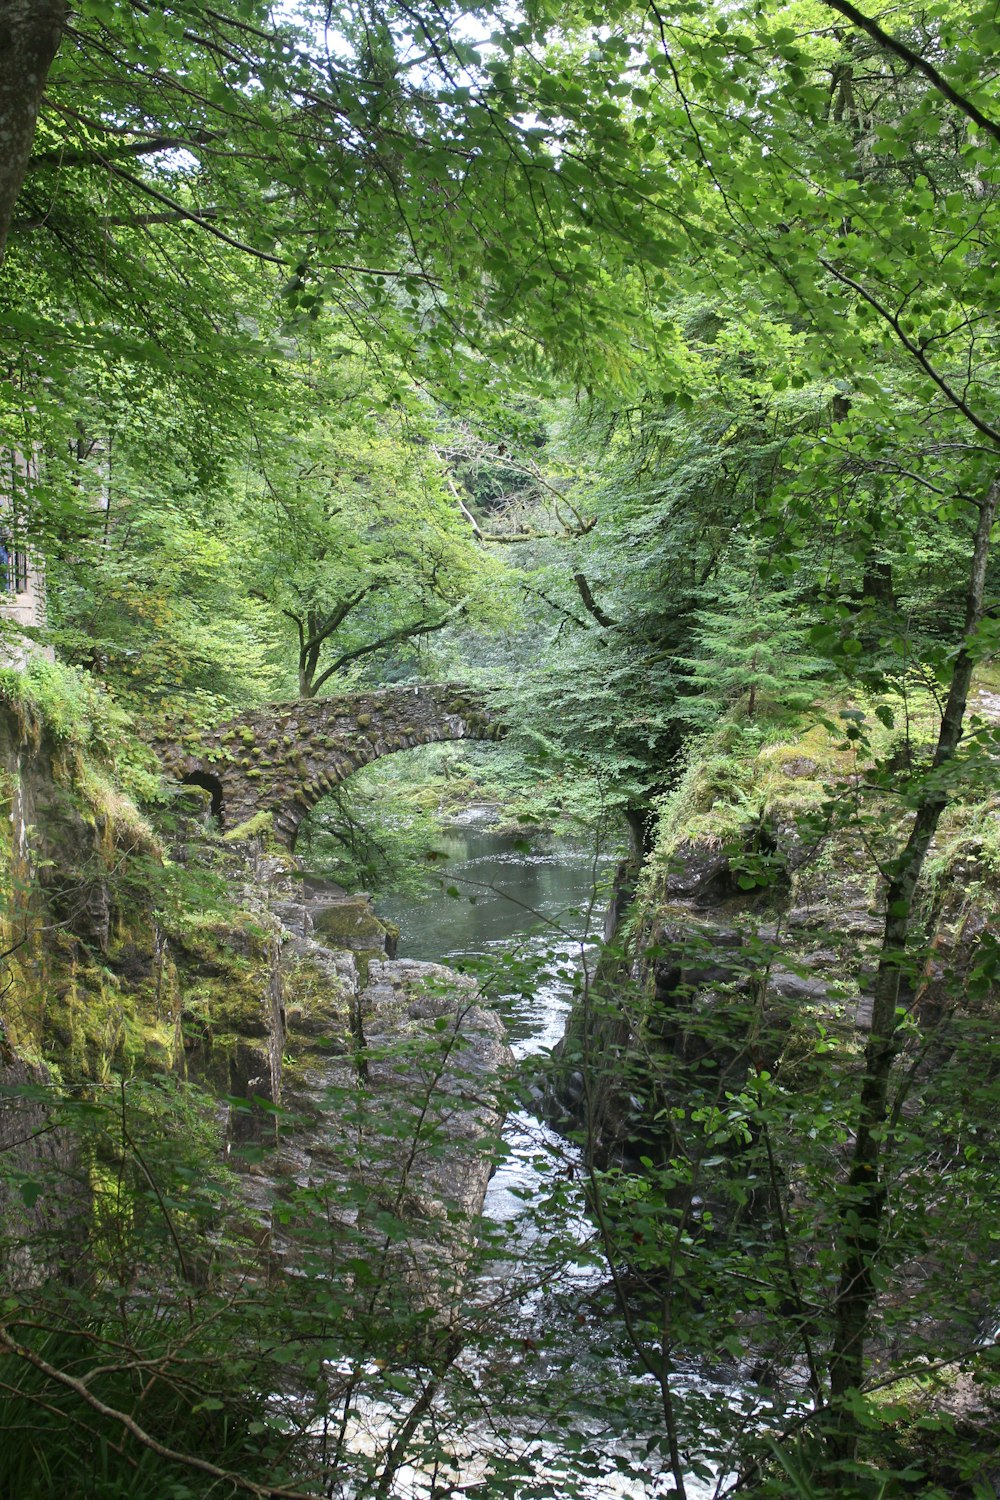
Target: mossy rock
x,y
260,826
247,736
194,799
363,721
353,925
96,1024
317,1007
224,974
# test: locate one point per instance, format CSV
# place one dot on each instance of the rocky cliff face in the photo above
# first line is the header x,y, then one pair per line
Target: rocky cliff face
x,y
388,1082
345,1074
723,1060
745,931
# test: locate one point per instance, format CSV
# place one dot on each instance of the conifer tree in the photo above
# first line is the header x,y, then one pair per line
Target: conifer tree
x,y
749,656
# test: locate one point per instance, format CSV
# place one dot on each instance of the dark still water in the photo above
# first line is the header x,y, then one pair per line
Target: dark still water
x,y
495,899
506,891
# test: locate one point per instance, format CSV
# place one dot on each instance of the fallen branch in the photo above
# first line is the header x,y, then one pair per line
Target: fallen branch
x,y
60,1377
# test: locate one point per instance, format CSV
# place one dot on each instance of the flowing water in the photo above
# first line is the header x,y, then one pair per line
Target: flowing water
x,y
501,903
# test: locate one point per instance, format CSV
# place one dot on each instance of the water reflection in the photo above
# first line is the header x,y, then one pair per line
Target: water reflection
x,y
505,893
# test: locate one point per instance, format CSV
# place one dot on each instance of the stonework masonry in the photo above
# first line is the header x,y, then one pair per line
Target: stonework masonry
x,y
281,759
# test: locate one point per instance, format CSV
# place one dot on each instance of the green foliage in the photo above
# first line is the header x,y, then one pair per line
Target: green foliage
x,y
66,701
353,539
104,1463
374,833
74,709
136,1189
259,269
715,1114
751,660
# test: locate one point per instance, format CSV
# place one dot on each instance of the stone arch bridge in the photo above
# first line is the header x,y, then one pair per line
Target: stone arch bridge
x,y
283,758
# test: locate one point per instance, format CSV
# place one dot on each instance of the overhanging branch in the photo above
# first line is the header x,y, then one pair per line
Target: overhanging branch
x,y
394,638
917,350
100,158
914,59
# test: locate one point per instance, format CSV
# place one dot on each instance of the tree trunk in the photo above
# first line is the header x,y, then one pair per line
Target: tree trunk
x,y
311,638
30,33
877,584
307,674
866,1188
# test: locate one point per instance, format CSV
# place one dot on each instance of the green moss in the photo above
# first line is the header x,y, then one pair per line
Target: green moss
x,y
188,986
224,968
353,924
317,1008
741,771
97,1023
969,835
247,736
260,826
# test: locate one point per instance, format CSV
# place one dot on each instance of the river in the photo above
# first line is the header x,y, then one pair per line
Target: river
x,y
498,903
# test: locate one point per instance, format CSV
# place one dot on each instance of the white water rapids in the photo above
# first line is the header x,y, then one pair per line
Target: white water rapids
x,y
513,893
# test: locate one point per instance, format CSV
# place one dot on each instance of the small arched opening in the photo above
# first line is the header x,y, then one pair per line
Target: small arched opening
x,y
210,784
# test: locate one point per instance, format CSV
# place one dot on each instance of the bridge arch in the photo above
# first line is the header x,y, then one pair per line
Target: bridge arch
x,y
285,757
210,784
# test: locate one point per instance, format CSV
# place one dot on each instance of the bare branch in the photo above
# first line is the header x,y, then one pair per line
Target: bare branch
x,y
71,1383
94,157
590,603
194,216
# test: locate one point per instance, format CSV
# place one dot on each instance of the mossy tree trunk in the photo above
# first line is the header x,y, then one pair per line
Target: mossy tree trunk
x,y
865,1195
